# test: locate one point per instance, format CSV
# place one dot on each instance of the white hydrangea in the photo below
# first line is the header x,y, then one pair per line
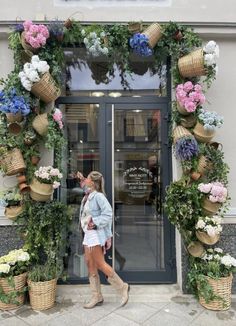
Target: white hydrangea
x,y
219,250
23,256
200,224
211,230
4,268
228,261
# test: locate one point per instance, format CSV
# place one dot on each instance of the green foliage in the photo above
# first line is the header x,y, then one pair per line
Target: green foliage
x,y
46,272
11,297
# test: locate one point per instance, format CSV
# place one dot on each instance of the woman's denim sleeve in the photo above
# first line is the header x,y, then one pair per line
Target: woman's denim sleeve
x,y
105,217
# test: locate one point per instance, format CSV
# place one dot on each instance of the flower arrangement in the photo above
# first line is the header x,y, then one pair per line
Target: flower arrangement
x,y
186,148
216,191
35,35
10,198
32,72
190,96
14,263
211,53
210,225
139,43
57,116
10,102
94,43
210,119
49,175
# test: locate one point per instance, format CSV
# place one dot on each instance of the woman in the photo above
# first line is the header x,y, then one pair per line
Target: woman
x,y
96,222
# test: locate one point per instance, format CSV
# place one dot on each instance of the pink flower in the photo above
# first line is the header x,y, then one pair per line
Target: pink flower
x,y
56,184
190,106
205,188
198,88
35,35
27,25
188,86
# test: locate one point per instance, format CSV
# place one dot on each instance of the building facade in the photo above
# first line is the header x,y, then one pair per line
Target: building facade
x,y
125,134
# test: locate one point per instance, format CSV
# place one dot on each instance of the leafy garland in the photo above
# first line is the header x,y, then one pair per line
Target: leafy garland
x,y
176,41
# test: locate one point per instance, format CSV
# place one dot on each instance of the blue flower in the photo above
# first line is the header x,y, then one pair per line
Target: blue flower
x,y
186,148
139,43
10,102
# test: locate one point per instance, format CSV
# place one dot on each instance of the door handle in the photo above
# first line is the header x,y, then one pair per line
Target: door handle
x,y
117,234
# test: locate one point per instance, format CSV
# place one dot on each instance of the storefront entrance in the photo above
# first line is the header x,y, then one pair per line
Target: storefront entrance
x,y
127,140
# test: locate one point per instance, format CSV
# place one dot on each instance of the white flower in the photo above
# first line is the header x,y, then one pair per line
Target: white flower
x,y
4,268
209,59
55,184
83,32
210,230
43,67
24,256
217,257
227,260
217,219
210,47
35,58
33,76
200,224
219,250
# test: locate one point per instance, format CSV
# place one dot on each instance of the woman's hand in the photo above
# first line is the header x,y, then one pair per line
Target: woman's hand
x,y
80,176
91,225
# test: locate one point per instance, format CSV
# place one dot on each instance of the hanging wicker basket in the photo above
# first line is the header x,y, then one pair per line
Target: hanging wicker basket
x,y
20,282
12,212
203,164
180,132
192,64
40,124
188,121
154,33
209,207
205,238
196,249
42,294
222,288
46,89
13,162
201,134
40,191
135,27
11,117
26,45
182,110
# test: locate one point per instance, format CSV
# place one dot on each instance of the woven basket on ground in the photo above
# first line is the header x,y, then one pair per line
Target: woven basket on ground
x,y
11,117
188,121
26,45
180,132
192,64
203,135
20,282
205,238
46,89
196,249
40,124
153,32
182,110
222,288
40,191
12,212
42,294
13,162
209,207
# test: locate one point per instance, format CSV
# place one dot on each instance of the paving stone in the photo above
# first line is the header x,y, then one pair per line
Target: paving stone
x,y
4,314
216,318
137,312
14,321
115,320
163,318
184,309
67,319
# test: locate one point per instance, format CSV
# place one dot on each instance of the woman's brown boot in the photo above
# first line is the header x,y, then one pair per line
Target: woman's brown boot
x,y
121,287
97,298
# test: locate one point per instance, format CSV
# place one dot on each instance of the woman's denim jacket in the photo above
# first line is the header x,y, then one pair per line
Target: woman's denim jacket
x,y
101,212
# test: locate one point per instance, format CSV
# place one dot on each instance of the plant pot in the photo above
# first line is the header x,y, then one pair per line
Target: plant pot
x,y
154,33
42,294
40,124
40,191
180,132
24,187
11,117
26,45
209,207
192,64
222,288
46,89
181,109
13,162
188,121
12,212
135,27
21,178
196,249
203,135
205,238
20,282
195,176
35,159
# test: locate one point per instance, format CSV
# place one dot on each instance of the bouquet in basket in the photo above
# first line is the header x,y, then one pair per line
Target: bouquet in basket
x,y
216,191
35,35
139,43
210,225
10,198
32,72
211,53
49,175
209,119
10,102
14,263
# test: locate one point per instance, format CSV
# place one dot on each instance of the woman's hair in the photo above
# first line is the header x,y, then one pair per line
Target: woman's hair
x,y
98,180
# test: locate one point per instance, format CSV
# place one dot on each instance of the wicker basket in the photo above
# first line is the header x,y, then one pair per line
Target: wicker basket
x,y
202,164
42,294
153,32
188,121
12,212
182,110
222,288
26,45
40,191
13,162
205,238
40,124
192,64
203,135
196,249
135,27
180,132
20,282
46,89
11,117
209,207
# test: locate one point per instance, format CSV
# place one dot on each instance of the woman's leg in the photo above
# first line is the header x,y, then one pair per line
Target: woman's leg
x,y
113,278
94,280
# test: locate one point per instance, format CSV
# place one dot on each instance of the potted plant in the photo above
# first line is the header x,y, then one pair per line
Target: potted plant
x,y
12,201
35,78
13,273
210,278
215,195
206,125
46,179
56,30
208,229
189,96
34,36
42,281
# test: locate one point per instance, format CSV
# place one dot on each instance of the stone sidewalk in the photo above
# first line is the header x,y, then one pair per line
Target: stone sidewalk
x,y
149,305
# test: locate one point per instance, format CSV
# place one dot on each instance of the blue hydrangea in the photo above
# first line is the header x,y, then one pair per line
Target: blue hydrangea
x,y
186,148
10,102
210,119
139,43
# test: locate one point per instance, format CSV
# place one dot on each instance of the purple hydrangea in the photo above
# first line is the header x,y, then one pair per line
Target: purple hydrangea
x,y
186,148
139,43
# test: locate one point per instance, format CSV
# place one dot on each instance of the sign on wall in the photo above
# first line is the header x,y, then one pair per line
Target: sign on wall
x,y
117,3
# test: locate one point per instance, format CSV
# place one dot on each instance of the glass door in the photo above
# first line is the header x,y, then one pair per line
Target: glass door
x,y
143,244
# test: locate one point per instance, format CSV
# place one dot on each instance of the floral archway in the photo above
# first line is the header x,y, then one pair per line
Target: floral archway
x,y
195,203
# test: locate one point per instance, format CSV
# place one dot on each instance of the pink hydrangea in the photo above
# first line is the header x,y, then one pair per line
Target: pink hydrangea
x,y
216,190
35,35
57,116
190,96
